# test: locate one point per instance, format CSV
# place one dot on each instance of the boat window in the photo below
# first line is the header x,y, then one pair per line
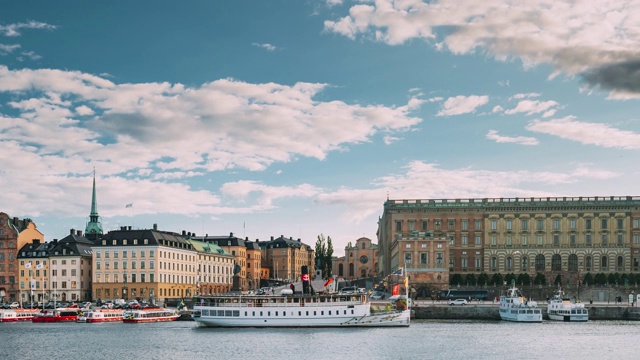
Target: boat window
x,y
268,313
246,313
314,313
321,312
260,313
307,313
236,313
299,313
351,311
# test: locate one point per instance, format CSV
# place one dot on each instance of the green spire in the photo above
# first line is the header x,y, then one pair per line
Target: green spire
x,y
94,227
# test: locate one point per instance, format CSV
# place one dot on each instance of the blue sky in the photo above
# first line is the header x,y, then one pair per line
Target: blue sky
x,y
299,118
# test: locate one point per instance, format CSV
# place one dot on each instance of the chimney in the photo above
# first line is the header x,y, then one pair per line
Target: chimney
x,y
72,231
36,241
299,240
155,227
230,234
271,237
79,232
184,233
129,227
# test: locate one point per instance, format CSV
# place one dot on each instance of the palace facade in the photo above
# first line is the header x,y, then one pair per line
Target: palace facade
x,y
569,236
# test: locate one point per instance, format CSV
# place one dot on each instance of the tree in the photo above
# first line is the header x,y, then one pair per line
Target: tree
x,y
496,279
321,251
540,279
470,280
456,279
328,267
483,279
510,278
558,280
588,279
611,279
632,279
524,279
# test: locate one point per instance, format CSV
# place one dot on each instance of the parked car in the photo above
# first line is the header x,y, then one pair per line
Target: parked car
x,y
458,302
376,296
14,305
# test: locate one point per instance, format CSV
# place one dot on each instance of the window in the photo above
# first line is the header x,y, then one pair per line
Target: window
x,y
540,224
494,263
494,241
525,263
620,223
478,224
398,225
525,240
556,224
407,258
587,224
572,239
478,240
603,264
556,262
412,225
425,224
509,240
540,262
636,223
406,246
540,240
636,238
452,224
478,263
465,240
603,223
437,224
572,224
424,258
439,259
604,239
524,223
620,239
587,239
556,239
115,254
494,224
465,224
98,254
124,254
509,263
509,224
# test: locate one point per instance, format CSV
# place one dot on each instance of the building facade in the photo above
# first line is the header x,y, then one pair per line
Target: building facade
x,y
567,236
34,279
360,260
14,234
215,268
70,262
286,256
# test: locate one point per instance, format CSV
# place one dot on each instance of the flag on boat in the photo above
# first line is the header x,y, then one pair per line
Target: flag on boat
x,y
395,289
28,265
328,282
129,205
398,272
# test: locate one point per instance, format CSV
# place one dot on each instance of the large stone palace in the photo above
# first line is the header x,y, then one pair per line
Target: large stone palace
x,y
569,236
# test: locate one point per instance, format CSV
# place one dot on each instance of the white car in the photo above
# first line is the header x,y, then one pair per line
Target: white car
x,y
14,305
376,296
458,302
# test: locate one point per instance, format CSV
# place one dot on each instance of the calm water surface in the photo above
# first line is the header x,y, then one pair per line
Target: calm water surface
x,y
422,340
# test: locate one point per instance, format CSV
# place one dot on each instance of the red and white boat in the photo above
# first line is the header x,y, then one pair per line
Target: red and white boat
x,y
57,315
12,315
101,315
150,315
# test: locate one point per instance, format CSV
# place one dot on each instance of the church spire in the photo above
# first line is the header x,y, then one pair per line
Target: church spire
x,y
94,227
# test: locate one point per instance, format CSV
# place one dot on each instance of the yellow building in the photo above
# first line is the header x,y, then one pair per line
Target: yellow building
x,y
359,260
14,234
285,258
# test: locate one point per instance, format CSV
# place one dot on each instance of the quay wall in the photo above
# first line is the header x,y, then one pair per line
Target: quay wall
x,y
490,312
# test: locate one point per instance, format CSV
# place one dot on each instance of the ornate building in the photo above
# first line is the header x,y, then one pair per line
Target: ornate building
x,y
14,234
359,260
285,257
215,266
569,236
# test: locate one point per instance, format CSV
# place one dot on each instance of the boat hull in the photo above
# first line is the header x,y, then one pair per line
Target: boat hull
x,y
569,318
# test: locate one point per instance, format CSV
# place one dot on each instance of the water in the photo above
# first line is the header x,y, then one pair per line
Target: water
x,y
424,339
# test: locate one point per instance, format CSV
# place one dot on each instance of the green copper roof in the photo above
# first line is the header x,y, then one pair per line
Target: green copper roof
x,y
94,227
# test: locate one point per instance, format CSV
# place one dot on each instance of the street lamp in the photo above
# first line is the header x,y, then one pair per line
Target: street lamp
x,y
124,285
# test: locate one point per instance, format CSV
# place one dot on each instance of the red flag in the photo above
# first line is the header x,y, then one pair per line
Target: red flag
x,y
395,289
328,282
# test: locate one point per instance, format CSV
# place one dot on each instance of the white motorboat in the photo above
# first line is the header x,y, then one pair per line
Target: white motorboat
x,y
515,307
561,308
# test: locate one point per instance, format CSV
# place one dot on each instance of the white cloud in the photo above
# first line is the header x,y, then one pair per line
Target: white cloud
x,y
29,54
84,110
242,190
14,29
573,36
493,135
388,140
587,133
7,49
531,107
265,46
459,105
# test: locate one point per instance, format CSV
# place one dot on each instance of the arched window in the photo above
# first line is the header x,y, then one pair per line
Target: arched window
x,y
340,270
494,263
364,245
587,261
509,263
573,263
620,265
603,264
556,262
525,264
363,272
351,272
540,260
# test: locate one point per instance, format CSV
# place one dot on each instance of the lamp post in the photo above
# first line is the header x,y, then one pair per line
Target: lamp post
x,y
124,285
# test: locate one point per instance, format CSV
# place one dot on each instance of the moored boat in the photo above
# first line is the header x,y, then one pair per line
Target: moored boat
x,y
101,315
562,309
154,314
57,315
515,307
295,310
13,315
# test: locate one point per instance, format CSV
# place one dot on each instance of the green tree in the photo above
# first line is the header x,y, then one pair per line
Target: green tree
x,y
470,280
540,279
588,279
321,251
633,279
524,279
611,279
558,280
600,279
456,279
510,278
328,267
483,279
496,279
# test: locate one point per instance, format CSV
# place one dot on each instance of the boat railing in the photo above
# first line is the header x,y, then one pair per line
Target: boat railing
x,y
282,304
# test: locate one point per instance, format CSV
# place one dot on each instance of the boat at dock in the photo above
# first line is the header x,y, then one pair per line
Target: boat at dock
x,y
295,310
515,307
563,309
57,315
153,314
13,315
101,315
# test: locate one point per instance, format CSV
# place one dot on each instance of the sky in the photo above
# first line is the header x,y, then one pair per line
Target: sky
x,y
300,118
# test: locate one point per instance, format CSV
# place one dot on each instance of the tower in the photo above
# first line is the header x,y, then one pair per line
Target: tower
x,y
93,230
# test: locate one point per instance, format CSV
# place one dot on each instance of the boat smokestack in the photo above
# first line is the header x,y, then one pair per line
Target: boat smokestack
x,y
305,279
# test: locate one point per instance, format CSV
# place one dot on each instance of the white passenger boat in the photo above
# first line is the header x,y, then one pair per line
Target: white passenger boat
x,y
101,315
562,309
153,314
294,310
515,307
13,315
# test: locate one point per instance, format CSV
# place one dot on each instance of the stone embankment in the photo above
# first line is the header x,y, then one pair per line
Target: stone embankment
x,y
441,311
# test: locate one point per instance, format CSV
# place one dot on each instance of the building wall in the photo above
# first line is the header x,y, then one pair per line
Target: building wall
x,y
254,265
360,260
569,235
215,273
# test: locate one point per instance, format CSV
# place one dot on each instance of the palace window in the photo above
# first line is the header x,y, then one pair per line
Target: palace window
x,y
603,223
572,224
587,224
424,258
556,224
494,241
452,224
573,262
540,224
478,224
525,240
494,224
620,223
524,223
465,224
465,240
509,224
425,224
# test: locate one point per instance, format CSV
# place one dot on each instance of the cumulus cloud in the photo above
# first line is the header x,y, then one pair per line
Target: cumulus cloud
x,y
421,180
459,105
586,133
12,30
7,49
597,38
62,123
531,107
493,135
